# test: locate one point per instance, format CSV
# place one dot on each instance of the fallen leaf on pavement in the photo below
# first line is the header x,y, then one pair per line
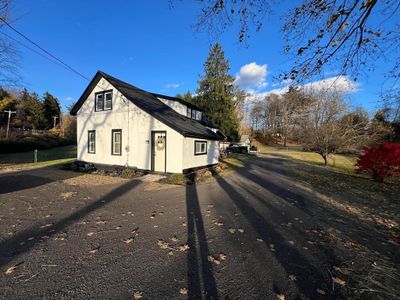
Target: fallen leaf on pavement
x,y
280,296
9,270
183,291
174,239
128,241
90,233
137,295
222,256
292,278
322,292
259,240
339,281
94,250
241,230
232,230
184,247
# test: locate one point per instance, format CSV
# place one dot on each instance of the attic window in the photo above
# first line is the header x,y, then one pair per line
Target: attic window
x,y
103,101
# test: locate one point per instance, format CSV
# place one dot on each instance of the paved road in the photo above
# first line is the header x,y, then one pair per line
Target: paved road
x,y
70,240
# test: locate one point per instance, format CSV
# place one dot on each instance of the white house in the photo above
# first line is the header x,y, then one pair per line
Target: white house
x,y
121,125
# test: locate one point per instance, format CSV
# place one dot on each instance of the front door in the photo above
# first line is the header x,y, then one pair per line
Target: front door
x,y
159,148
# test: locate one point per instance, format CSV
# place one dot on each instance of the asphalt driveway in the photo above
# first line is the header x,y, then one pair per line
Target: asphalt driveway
x,y
253,234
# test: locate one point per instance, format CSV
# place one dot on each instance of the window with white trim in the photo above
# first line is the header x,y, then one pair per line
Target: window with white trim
x,y
91,141
116,143
103,101
200,147
189,112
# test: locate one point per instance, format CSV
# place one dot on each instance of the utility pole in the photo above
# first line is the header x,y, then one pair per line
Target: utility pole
x,y
10,112
55,118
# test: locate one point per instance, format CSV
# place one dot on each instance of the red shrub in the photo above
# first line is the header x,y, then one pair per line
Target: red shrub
x,y
380,162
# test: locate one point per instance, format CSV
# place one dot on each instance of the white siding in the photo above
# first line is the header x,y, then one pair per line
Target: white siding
x,y
136,126
175,105
191,161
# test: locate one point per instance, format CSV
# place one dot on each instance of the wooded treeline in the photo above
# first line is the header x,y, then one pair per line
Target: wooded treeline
x,y
322,122
31,110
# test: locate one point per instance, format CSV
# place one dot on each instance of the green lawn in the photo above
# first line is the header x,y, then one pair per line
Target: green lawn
x,y
48,157
339,161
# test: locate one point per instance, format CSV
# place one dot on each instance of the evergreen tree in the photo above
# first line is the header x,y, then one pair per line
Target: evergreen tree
x,y
33,109
51,109
217,95
188,97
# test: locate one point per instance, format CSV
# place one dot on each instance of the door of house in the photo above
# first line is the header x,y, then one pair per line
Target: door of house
x,y
159,151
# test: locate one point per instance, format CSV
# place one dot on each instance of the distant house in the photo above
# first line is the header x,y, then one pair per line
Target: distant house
x,y
120,124
245,141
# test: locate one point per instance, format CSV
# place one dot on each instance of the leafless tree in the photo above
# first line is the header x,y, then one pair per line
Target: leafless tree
x,y
346,35
330,128
9,57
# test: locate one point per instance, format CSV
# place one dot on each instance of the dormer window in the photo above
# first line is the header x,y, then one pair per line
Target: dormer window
x,y
193,114
103,101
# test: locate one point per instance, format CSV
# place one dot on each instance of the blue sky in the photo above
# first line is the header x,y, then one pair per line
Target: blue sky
x,y
148,44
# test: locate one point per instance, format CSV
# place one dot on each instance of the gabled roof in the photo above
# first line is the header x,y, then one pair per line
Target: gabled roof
x,y
153,106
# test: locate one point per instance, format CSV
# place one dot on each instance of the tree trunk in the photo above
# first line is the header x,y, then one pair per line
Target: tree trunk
x,y
325,157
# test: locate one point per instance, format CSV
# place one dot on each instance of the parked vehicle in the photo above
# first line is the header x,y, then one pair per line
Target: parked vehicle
x,y
233,148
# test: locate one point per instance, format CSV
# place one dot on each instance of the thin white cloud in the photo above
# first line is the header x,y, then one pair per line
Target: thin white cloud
x,y
172,85
339,84
252,77
336,84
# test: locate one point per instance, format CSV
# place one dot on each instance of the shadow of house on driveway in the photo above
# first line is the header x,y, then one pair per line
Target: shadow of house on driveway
x,y
13,183
22,242
201,281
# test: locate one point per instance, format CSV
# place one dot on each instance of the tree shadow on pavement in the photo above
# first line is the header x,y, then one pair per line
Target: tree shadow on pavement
x,y
309,276
199,269
27,239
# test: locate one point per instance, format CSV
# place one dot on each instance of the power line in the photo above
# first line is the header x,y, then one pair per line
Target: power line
x,y
33,50
44,50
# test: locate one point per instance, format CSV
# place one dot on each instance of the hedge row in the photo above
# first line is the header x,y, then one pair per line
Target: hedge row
x,y
31,142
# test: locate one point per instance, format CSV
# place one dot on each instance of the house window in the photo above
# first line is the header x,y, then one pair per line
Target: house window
x,y
91,141
193,114
189,112
116,144
198,115
200,147
103,101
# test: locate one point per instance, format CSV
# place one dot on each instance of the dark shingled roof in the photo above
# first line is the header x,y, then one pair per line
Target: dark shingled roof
x,y
153,106
184,102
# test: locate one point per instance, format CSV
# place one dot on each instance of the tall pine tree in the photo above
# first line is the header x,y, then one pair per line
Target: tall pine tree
x,y
217,95
51,107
